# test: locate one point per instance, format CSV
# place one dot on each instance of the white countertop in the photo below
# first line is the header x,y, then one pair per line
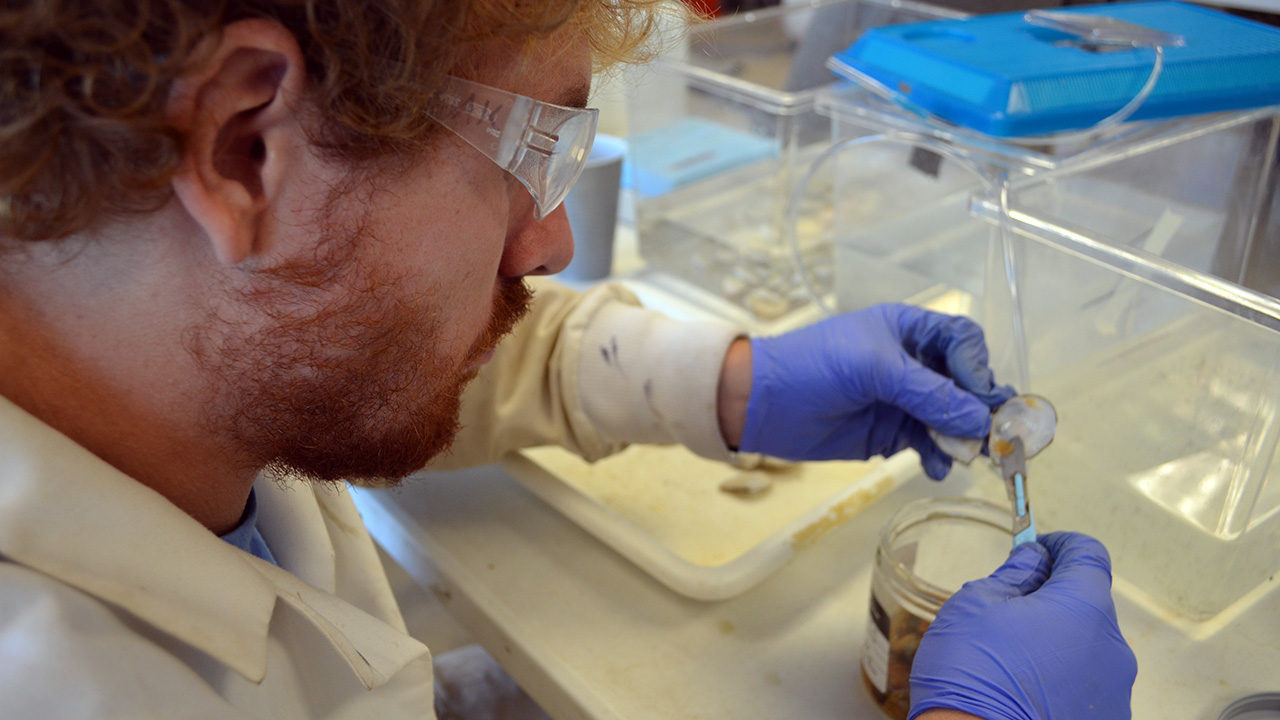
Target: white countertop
x,y
589,635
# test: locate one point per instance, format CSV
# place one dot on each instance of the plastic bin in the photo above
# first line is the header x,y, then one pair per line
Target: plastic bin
x,y
717,131
1140,321
1129,279
904,229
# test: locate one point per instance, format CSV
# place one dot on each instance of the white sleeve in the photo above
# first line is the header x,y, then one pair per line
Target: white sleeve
x,y
594,372
644,378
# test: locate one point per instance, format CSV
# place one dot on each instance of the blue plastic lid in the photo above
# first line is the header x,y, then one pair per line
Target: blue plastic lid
x,y
1006,76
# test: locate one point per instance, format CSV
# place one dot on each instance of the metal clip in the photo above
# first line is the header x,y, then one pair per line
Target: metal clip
x,y
1095,30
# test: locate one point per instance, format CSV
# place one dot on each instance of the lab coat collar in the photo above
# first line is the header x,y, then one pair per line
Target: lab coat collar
x,y
290,520
72,516
373,650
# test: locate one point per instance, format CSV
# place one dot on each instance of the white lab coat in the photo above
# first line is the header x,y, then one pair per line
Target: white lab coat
x,y
116,604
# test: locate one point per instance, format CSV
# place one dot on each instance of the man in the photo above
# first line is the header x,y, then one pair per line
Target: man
x,y
252,250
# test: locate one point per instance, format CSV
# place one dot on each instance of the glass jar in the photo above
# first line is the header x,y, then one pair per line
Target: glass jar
x,y
927,550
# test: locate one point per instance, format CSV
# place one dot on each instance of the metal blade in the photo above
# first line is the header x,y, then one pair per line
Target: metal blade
x,y
1013,468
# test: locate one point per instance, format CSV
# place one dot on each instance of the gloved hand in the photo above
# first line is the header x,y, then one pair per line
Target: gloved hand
x,y
870,383
1037,640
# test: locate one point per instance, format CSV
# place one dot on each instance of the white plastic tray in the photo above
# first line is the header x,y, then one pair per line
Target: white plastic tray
x,y
662,509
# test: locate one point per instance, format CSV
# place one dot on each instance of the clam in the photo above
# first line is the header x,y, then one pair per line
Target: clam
x,y
747,484
961,449
1028,417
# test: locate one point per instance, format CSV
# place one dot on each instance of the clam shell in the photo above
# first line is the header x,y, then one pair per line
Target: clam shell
x,y
747,484
960,449
1029,417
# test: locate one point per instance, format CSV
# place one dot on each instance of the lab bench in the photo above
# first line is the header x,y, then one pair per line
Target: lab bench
x,y
591,636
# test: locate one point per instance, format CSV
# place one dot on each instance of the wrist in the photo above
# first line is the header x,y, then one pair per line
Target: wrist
x,y
734,391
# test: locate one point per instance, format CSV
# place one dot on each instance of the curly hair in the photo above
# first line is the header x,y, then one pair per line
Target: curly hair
x,y
83,131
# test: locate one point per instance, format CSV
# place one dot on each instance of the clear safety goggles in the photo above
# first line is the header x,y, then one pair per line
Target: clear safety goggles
x,y
544,146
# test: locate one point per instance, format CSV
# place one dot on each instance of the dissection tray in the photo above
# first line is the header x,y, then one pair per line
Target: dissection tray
x,y
662,508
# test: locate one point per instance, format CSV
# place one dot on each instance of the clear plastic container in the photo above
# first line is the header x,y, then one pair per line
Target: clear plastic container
x,y
1198,199
905,228
927,551
1165,377
1131,278
718,129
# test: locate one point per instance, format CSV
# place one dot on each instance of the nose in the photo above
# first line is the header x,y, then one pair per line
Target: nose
x,y
537,247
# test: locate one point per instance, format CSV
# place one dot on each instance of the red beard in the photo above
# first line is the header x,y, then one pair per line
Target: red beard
x,y
355,390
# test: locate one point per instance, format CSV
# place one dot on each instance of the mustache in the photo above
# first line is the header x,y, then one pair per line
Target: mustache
x,y
510,305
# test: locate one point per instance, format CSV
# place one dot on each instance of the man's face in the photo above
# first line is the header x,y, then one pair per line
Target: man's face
x,y
346,358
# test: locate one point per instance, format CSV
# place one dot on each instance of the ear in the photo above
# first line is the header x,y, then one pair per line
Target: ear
x,y
238,112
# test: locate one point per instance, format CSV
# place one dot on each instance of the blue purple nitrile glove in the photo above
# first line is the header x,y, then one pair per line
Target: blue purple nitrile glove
x,y
871,382
1036,640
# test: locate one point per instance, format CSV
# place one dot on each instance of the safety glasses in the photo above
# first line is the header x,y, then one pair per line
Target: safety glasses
x,y
544,146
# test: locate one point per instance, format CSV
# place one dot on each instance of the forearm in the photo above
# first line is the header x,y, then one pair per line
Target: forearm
x,y
945,714
734,391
